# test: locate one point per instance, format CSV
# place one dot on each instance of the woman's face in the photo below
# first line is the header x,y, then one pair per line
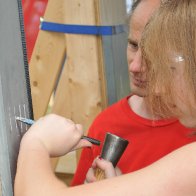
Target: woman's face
x,y
184,99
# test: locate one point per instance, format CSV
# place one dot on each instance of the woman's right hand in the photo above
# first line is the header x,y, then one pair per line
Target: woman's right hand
x,y
105,166
56,134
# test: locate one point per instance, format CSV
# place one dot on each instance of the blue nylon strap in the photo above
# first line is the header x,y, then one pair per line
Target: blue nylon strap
x,y
82,29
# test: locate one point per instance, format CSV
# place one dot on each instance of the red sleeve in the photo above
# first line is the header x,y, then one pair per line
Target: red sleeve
x,y
84,164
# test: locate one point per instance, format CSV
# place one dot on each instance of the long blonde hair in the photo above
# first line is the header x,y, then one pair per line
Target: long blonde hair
x,y
170,37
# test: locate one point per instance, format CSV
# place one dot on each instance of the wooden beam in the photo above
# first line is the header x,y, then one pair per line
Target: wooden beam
x,y
47,59
82,91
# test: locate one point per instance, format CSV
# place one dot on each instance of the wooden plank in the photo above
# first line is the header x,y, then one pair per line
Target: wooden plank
x,y
47,59
81,80
83,92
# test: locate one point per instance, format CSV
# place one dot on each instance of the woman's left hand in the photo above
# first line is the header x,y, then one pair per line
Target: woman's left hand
x,y
105,166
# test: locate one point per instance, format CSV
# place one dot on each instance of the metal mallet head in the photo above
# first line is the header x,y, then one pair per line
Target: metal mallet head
x,y
113,148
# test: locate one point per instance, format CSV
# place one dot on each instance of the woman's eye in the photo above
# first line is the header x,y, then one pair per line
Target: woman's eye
x,y
132,45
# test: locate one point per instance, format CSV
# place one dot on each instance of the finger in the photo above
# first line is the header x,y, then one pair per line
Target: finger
x,y
79,126
90,177
94,164
118,171
107,167
80,129
82,143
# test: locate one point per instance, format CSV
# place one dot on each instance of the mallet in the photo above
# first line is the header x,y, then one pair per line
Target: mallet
x,y
112,151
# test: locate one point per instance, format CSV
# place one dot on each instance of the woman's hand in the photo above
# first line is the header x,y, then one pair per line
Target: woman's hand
x,y
104,165
57,134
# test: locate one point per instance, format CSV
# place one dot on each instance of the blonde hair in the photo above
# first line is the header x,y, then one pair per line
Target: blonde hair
x,y
170,36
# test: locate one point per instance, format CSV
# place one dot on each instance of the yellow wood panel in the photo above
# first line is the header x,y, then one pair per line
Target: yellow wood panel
x,y
81,92
80,95
47,59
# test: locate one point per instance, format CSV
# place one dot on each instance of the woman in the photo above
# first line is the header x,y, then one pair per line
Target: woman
x,y
172,74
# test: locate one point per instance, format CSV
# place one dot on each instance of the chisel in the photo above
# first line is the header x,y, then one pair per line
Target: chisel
x,y
31,122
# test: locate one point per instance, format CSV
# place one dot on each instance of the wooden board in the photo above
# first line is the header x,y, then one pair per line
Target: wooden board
x,y
81,79
47,59
80,94
95,71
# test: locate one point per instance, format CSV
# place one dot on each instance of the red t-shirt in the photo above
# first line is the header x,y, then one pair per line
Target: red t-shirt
x,y
148,140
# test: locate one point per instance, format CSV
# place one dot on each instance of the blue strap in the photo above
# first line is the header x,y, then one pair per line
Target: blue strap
x,y
82,29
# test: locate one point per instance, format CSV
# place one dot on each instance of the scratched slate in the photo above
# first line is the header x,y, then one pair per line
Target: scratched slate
x,y
14,92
